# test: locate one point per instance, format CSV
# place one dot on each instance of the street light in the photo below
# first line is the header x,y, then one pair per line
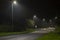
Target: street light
x,y
13,3
43,19
34,17
56,17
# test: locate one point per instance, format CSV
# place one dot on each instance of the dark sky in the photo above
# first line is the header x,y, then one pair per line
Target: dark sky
x,y
42,8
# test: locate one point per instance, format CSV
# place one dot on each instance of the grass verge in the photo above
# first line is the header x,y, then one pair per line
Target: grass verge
x,y
50,36
15,33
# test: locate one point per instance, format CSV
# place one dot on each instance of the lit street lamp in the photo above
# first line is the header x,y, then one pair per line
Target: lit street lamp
x,y
34,17
13,3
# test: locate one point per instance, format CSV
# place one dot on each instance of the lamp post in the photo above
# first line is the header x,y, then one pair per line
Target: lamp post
x,y
13,3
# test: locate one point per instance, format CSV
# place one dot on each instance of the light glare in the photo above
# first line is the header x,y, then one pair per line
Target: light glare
x,y
34,16
56,17
43,19
14,2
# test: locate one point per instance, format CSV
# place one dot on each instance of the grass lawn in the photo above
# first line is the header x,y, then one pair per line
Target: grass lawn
x,y
50,36
9,33
14,33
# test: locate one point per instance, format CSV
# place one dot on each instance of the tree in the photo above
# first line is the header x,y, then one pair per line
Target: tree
x,y
30,23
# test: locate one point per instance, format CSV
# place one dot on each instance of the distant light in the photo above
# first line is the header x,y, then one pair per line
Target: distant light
x,y
56,17
43,19
34,16
14,2
50,20
35,26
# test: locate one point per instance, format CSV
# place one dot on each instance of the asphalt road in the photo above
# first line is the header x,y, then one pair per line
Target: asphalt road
x,y
29,36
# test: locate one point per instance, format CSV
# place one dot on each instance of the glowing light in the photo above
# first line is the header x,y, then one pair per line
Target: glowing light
x,y
35,26
50,20
43,19
14,2
34,16
56,17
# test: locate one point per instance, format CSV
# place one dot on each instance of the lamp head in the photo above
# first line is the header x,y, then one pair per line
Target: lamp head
x,y
15,2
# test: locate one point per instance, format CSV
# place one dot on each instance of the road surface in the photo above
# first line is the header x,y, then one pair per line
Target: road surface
x,y
29,36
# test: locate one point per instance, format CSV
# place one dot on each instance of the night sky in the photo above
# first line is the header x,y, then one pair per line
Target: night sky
x,y
42,8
